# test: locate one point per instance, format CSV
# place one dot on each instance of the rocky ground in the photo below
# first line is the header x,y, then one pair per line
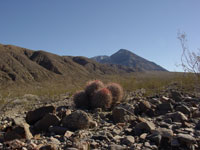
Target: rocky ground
x,y
169,120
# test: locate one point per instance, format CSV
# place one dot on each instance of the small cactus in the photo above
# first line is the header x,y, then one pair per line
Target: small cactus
x,y
102,99
93,86
116,91
81,99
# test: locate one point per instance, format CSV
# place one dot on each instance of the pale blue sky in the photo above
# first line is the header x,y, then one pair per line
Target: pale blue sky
x,y
101,27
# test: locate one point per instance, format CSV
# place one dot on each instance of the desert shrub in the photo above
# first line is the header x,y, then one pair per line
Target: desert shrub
x,y
102,99
93,86
116,91
81,99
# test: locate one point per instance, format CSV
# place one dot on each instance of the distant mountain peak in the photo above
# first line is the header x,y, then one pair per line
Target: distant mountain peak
x,y
127,58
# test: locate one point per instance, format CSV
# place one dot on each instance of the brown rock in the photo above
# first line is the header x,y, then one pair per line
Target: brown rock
x,y
28,134
121,114
33,116
77,120
15,133
47,121
144,127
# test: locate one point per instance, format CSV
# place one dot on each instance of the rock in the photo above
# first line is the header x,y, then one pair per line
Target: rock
x,y
165,107
33,116
184,109
57,130
156,138
198,125
144,106
166,133
176,96
28,133
116,147
81,145
128,140
68,134
15,145
121,114
48,147
177,117
175,142
15,133
77,120
47,121
144,127
186,138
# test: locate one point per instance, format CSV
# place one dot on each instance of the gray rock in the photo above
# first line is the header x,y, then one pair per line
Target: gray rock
x,y
58,130
121,114
165,107
144,127
144,106
186,138
184,109
77,120
156,138
47,121
177,117
166,133
128,140
33,116
116,147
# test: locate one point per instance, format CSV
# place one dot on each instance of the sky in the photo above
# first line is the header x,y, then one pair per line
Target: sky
x,y
89,28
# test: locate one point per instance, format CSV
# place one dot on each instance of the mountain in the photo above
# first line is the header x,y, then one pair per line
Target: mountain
x,y
127,58
23,65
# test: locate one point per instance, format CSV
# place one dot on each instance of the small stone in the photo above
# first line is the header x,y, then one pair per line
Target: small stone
x,y
177,117
144,106
166,133
186,138
184,109
128,140
68,134
143,136
28,133
48,147
144,127
116,147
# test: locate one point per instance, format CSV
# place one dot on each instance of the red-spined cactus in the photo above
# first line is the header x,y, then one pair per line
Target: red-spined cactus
x,y
101,99
116,91
81,100
93,86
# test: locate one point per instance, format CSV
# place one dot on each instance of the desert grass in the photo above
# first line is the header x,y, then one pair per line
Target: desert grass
x,y
152,82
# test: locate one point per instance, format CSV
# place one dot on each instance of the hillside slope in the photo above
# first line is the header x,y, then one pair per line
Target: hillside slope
x,y
24,65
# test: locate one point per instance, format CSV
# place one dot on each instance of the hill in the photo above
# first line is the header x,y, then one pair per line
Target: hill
x,y
127,58
23,65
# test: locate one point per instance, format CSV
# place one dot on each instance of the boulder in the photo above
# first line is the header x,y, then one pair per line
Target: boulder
x,y
77,120
47,121
123,113
33,116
